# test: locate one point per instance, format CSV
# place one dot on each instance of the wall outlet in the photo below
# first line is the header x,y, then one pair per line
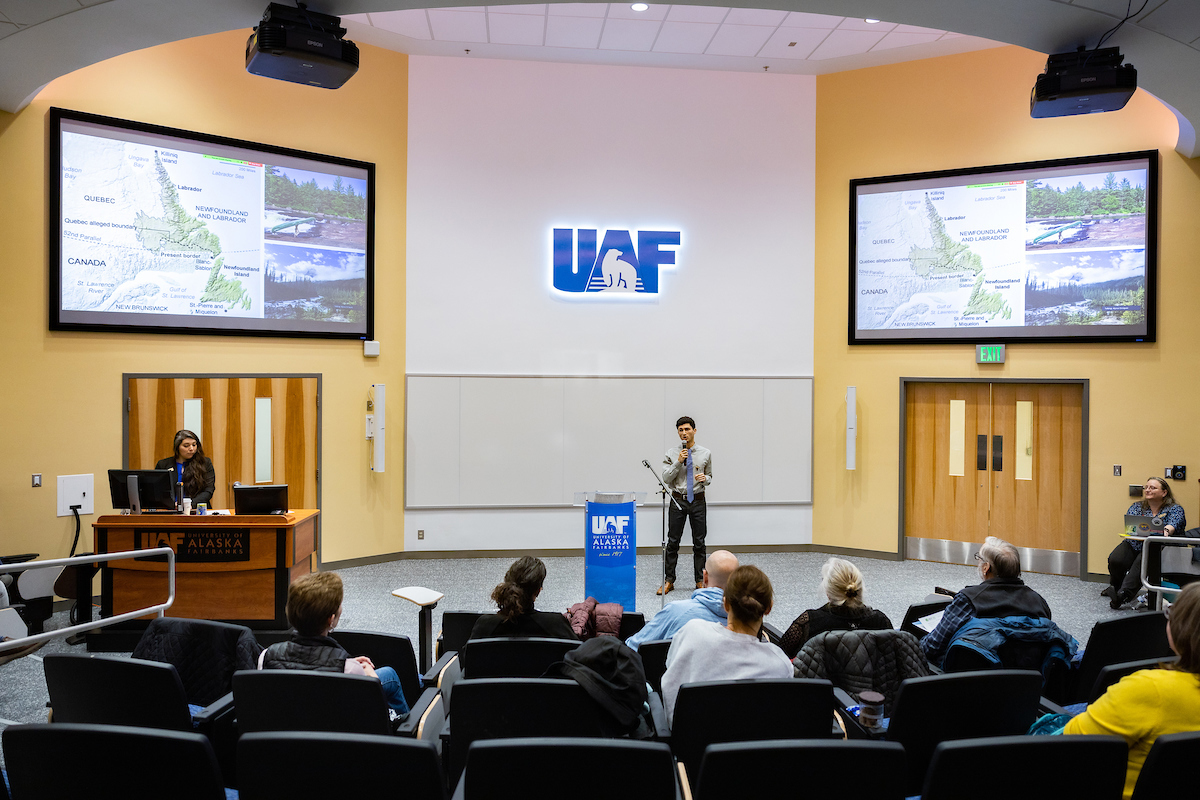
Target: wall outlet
x,y
76,490
420,534
1116,470
37,480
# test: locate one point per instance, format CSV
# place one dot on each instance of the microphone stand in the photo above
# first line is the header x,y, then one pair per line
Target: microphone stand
x,y
666,493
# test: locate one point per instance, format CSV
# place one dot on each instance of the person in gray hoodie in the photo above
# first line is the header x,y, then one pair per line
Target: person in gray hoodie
x,y
706,603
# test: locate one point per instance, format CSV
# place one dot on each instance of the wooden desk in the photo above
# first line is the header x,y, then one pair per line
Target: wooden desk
x,y
228,568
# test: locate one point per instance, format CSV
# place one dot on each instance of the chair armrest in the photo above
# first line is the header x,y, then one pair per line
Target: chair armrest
x,y
460,791
773,634
1047,706
431,677
214,711
658,716
854,729
683,789
426,718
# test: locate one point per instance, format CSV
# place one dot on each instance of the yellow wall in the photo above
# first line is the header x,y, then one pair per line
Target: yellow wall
x,y
61,405
972,110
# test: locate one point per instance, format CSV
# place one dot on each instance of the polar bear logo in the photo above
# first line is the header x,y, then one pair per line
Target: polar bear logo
x,y
619,276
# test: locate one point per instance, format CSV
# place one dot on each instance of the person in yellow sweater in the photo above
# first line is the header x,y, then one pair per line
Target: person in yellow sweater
x,y
1153,702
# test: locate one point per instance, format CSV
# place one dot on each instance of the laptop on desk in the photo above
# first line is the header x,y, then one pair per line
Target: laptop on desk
x,y
1139,527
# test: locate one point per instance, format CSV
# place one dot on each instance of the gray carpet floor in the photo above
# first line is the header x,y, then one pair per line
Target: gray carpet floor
x,y
891,586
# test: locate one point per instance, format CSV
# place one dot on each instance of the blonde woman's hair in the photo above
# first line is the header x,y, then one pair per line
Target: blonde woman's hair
x,y
842,582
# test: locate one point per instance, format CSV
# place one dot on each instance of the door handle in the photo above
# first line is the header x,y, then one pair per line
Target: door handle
x,y
997,454
981,452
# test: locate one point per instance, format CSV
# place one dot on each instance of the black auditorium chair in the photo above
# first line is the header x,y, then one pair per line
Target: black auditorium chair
x,y
513,657
300,700
387,650
205,655
860,661
631,623
299,764
501,708
965,705
1035,768
748,710
65,760
456,629
1114,672
1170,767
801,768
930,605
654,661
1112,641
123,691
582,769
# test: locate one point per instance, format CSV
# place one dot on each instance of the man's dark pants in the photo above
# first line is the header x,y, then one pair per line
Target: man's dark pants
x,y
697,512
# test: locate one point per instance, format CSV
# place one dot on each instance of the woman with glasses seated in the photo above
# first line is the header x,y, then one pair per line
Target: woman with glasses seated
x,y
1125,561
1153,702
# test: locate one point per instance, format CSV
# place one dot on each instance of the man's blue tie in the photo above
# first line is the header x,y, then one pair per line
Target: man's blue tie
x,y
691,478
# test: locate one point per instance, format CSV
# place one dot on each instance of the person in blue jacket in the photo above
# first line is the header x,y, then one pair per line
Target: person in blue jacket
x,y
705,603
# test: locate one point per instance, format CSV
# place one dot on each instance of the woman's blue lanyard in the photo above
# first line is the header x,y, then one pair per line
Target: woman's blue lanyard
x,y
178,472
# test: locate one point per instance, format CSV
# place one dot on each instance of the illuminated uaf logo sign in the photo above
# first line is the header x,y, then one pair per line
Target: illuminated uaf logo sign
x,y
614,266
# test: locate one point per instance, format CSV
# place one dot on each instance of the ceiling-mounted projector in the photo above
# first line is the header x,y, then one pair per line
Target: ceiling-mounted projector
x,y
301,46
1083,82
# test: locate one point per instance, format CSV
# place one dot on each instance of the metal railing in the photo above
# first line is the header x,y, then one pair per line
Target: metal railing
x,y
1165,541
13,644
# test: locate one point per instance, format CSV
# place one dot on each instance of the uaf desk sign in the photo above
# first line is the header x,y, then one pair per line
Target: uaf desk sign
x,y
610,558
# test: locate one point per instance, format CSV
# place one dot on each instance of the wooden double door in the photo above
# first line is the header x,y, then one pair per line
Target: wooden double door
x,y
995,459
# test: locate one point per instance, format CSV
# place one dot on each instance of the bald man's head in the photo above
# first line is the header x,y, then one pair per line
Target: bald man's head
x,y
719,566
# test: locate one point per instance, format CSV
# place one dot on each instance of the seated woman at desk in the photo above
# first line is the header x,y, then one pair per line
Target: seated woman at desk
x,y
515,597
192,468
1125,561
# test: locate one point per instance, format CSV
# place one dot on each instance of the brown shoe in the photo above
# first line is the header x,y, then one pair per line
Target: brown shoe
x,y
665,588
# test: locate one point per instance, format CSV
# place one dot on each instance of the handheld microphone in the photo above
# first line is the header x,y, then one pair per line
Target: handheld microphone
x,y
645,463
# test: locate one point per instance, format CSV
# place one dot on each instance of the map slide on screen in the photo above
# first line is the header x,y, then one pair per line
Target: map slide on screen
x,y
951,257
153,230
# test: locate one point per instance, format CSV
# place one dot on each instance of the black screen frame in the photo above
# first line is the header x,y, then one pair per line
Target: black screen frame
x,y
54,230
260,500
151,484
1010,335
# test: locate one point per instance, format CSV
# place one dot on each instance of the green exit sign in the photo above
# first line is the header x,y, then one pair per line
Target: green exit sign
x,y
989,354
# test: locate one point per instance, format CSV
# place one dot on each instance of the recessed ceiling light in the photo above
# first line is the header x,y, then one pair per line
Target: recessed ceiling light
x,y
640,7
870,21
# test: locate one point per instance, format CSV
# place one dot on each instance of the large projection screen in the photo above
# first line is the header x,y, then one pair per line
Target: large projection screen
x,y
160,230
1049,251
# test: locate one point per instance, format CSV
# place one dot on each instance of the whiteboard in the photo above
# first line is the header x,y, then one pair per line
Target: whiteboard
x,y
509,441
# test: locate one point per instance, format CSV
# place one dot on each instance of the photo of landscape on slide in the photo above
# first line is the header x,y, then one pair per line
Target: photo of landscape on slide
x,y
1092,287
1100,210
314,208
314,284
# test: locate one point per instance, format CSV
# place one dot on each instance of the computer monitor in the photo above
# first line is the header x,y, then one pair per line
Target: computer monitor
x,y
260,499
152,489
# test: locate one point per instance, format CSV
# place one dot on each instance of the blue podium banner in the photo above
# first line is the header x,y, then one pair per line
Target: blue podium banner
x,y
610,557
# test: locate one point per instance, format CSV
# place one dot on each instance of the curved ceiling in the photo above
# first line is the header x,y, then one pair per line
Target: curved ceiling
x,y
43,39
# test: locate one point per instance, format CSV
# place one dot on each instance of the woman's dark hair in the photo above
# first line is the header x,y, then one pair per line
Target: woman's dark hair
x,y
749,594
521,585
1184,622
1168,498
194,472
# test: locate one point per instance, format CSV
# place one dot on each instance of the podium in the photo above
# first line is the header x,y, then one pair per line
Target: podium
x,y
228,568
610,546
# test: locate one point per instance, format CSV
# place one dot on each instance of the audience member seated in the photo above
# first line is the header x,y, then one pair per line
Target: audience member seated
x,y
843,585
706,603
314,606
1002,593
515,598
1153,702
708,651
1125,561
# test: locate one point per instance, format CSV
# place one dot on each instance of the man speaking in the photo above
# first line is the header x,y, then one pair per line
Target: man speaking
x,y
687,474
